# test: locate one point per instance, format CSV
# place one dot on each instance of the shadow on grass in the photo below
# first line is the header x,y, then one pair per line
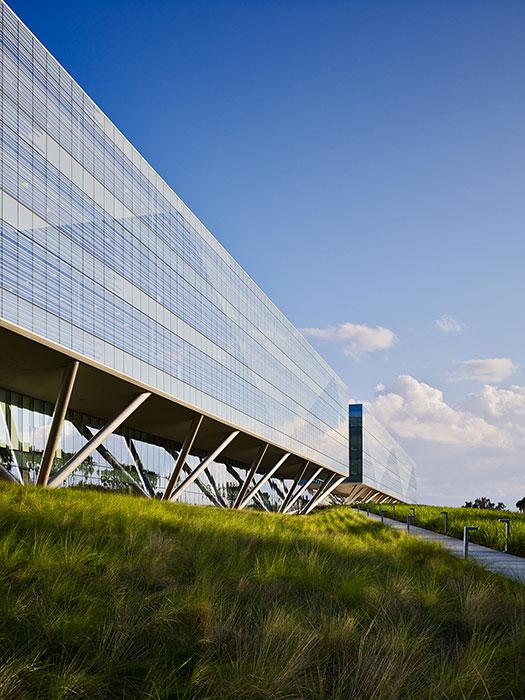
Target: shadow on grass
x,y
112,596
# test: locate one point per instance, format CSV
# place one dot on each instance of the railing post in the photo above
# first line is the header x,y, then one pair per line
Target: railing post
x,y
466,534
506,522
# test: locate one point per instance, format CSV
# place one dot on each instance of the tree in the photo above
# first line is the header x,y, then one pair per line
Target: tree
x,y
484,503
6,458
520,505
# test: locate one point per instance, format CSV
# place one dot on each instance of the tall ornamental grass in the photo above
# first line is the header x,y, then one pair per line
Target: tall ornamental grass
x,y
107,596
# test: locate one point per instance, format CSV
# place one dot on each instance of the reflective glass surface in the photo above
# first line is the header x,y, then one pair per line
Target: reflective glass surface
x,y
129,461
100,256
376,459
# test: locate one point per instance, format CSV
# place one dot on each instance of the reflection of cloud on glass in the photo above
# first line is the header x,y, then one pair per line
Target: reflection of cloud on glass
x,y
9,457
331,443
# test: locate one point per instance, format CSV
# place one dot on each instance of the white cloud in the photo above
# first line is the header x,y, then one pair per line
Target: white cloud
x,y
379,387
487,371
450,475
504,408
357,338
506,403
463,451
413,409
448,324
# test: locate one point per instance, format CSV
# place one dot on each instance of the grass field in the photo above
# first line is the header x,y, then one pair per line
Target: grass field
x,y
106,596
490,532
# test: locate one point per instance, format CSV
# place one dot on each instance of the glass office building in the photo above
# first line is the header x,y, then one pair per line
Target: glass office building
x,y
103,265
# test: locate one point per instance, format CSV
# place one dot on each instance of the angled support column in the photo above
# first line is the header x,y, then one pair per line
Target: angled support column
x,y
213,492
97,439
53,438
183,456
263,481
6,474
367,494
110,459
334,483
326,483
106,454
146,485
364,493
241,481
355,495
301,490
352,495
276,488
249,477
202,466
11,471
293,487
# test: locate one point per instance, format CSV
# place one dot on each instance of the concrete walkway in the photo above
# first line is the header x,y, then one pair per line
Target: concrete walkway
x,y
500,563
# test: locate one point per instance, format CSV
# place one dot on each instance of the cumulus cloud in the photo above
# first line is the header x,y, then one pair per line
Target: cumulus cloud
x,y
462,451
503,403
487,371
448,324
502,407
414,409
357,339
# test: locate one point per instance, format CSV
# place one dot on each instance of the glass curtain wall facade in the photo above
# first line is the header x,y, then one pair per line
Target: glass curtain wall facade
x,y
99,256
129,461
376,459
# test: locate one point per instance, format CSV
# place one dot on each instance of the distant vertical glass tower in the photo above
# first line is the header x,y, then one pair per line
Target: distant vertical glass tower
x,y
377,461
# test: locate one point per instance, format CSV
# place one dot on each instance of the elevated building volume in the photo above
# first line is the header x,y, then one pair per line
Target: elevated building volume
x,y
135,353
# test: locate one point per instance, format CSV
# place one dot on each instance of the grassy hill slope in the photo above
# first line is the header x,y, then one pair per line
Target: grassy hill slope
x,y
106,596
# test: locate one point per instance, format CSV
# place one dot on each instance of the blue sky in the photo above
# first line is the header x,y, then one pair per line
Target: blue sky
x,y
365,163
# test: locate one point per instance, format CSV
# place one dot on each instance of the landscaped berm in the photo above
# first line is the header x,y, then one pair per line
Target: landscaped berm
x,y
108,596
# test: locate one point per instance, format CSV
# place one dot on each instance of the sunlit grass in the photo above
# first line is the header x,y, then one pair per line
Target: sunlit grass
x,y
490,533
105,596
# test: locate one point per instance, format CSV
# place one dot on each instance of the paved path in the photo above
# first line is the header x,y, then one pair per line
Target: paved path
x,y
506,564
